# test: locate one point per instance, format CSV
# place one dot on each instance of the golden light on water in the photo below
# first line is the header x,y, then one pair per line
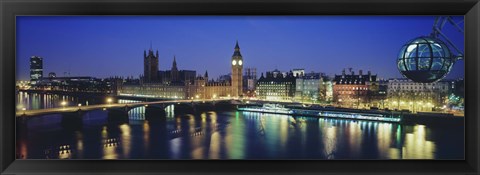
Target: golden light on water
x,y
330,141
215,142
146,135
416,146
125,139
109,145
384,138
79,149
235,138
355,137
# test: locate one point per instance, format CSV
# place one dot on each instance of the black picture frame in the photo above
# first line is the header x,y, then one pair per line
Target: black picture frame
x,y
11,8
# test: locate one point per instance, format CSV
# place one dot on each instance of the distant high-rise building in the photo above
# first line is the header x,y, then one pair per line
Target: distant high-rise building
x,y
150,66
249,79
36,69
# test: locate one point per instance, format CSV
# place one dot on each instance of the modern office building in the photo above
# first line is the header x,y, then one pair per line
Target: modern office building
x,y
309,88
36,69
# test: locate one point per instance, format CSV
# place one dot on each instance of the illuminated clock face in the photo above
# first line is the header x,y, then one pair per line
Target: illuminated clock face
x,y
234,62
240,62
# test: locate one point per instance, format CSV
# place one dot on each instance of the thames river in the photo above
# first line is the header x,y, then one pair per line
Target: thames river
x,y
225,135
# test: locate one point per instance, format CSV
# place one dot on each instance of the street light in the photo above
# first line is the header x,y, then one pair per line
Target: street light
x,y
64,103
24,109
109,100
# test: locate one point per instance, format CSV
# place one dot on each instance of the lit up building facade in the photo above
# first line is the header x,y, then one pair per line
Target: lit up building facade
x,y
353,90
36,69
74,84
409,95
313,87
204,88
185,84
309,88
155,90
276,87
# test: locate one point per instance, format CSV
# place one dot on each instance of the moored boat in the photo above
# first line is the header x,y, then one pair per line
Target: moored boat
x,y
325,112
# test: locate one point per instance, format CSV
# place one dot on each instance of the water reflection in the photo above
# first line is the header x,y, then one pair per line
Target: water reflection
x,y
32,101
417,146
230,135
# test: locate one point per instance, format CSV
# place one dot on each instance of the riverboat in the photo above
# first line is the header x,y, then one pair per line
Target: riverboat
x,y
324,112
268,108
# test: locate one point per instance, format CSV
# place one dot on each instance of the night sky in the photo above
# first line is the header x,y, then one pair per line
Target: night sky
x,y
104,46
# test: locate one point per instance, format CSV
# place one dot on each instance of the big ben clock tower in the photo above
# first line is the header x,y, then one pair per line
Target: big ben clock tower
x,y
237,69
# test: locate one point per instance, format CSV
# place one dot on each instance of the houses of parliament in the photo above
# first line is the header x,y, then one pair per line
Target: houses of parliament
x,y
184,84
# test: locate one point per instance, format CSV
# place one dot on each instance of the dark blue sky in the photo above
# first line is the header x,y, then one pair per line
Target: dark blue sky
x,y
104,46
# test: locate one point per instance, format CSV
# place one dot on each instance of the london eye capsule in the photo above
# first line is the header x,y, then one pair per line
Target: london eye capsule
x,y
425,60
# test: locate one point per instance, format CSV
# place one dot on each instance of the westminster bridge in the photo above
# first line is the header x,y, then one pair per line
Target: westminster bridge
x,y
72,116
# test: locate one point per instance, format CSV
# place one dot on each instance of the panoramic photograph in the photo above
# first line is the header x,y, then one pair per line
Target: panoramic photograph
x,y
240,87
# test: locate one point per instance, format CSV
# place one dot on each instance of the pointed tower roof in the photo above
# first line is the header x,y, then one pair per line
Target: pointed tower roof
x,y
237,50
206,74
174,65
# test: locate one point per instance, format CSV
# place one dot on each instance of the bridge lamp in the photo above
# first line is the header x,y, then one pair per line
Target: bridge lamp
x,y
24,109
196,96
64,103
109,100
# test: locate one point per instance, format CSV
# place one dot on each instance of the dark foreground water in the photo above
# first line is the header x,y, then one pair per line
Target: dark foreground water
x,y
234,135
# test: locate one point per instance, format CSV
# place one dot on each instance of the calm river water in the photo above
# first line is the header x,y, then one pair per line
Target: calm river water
x,y
225,135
